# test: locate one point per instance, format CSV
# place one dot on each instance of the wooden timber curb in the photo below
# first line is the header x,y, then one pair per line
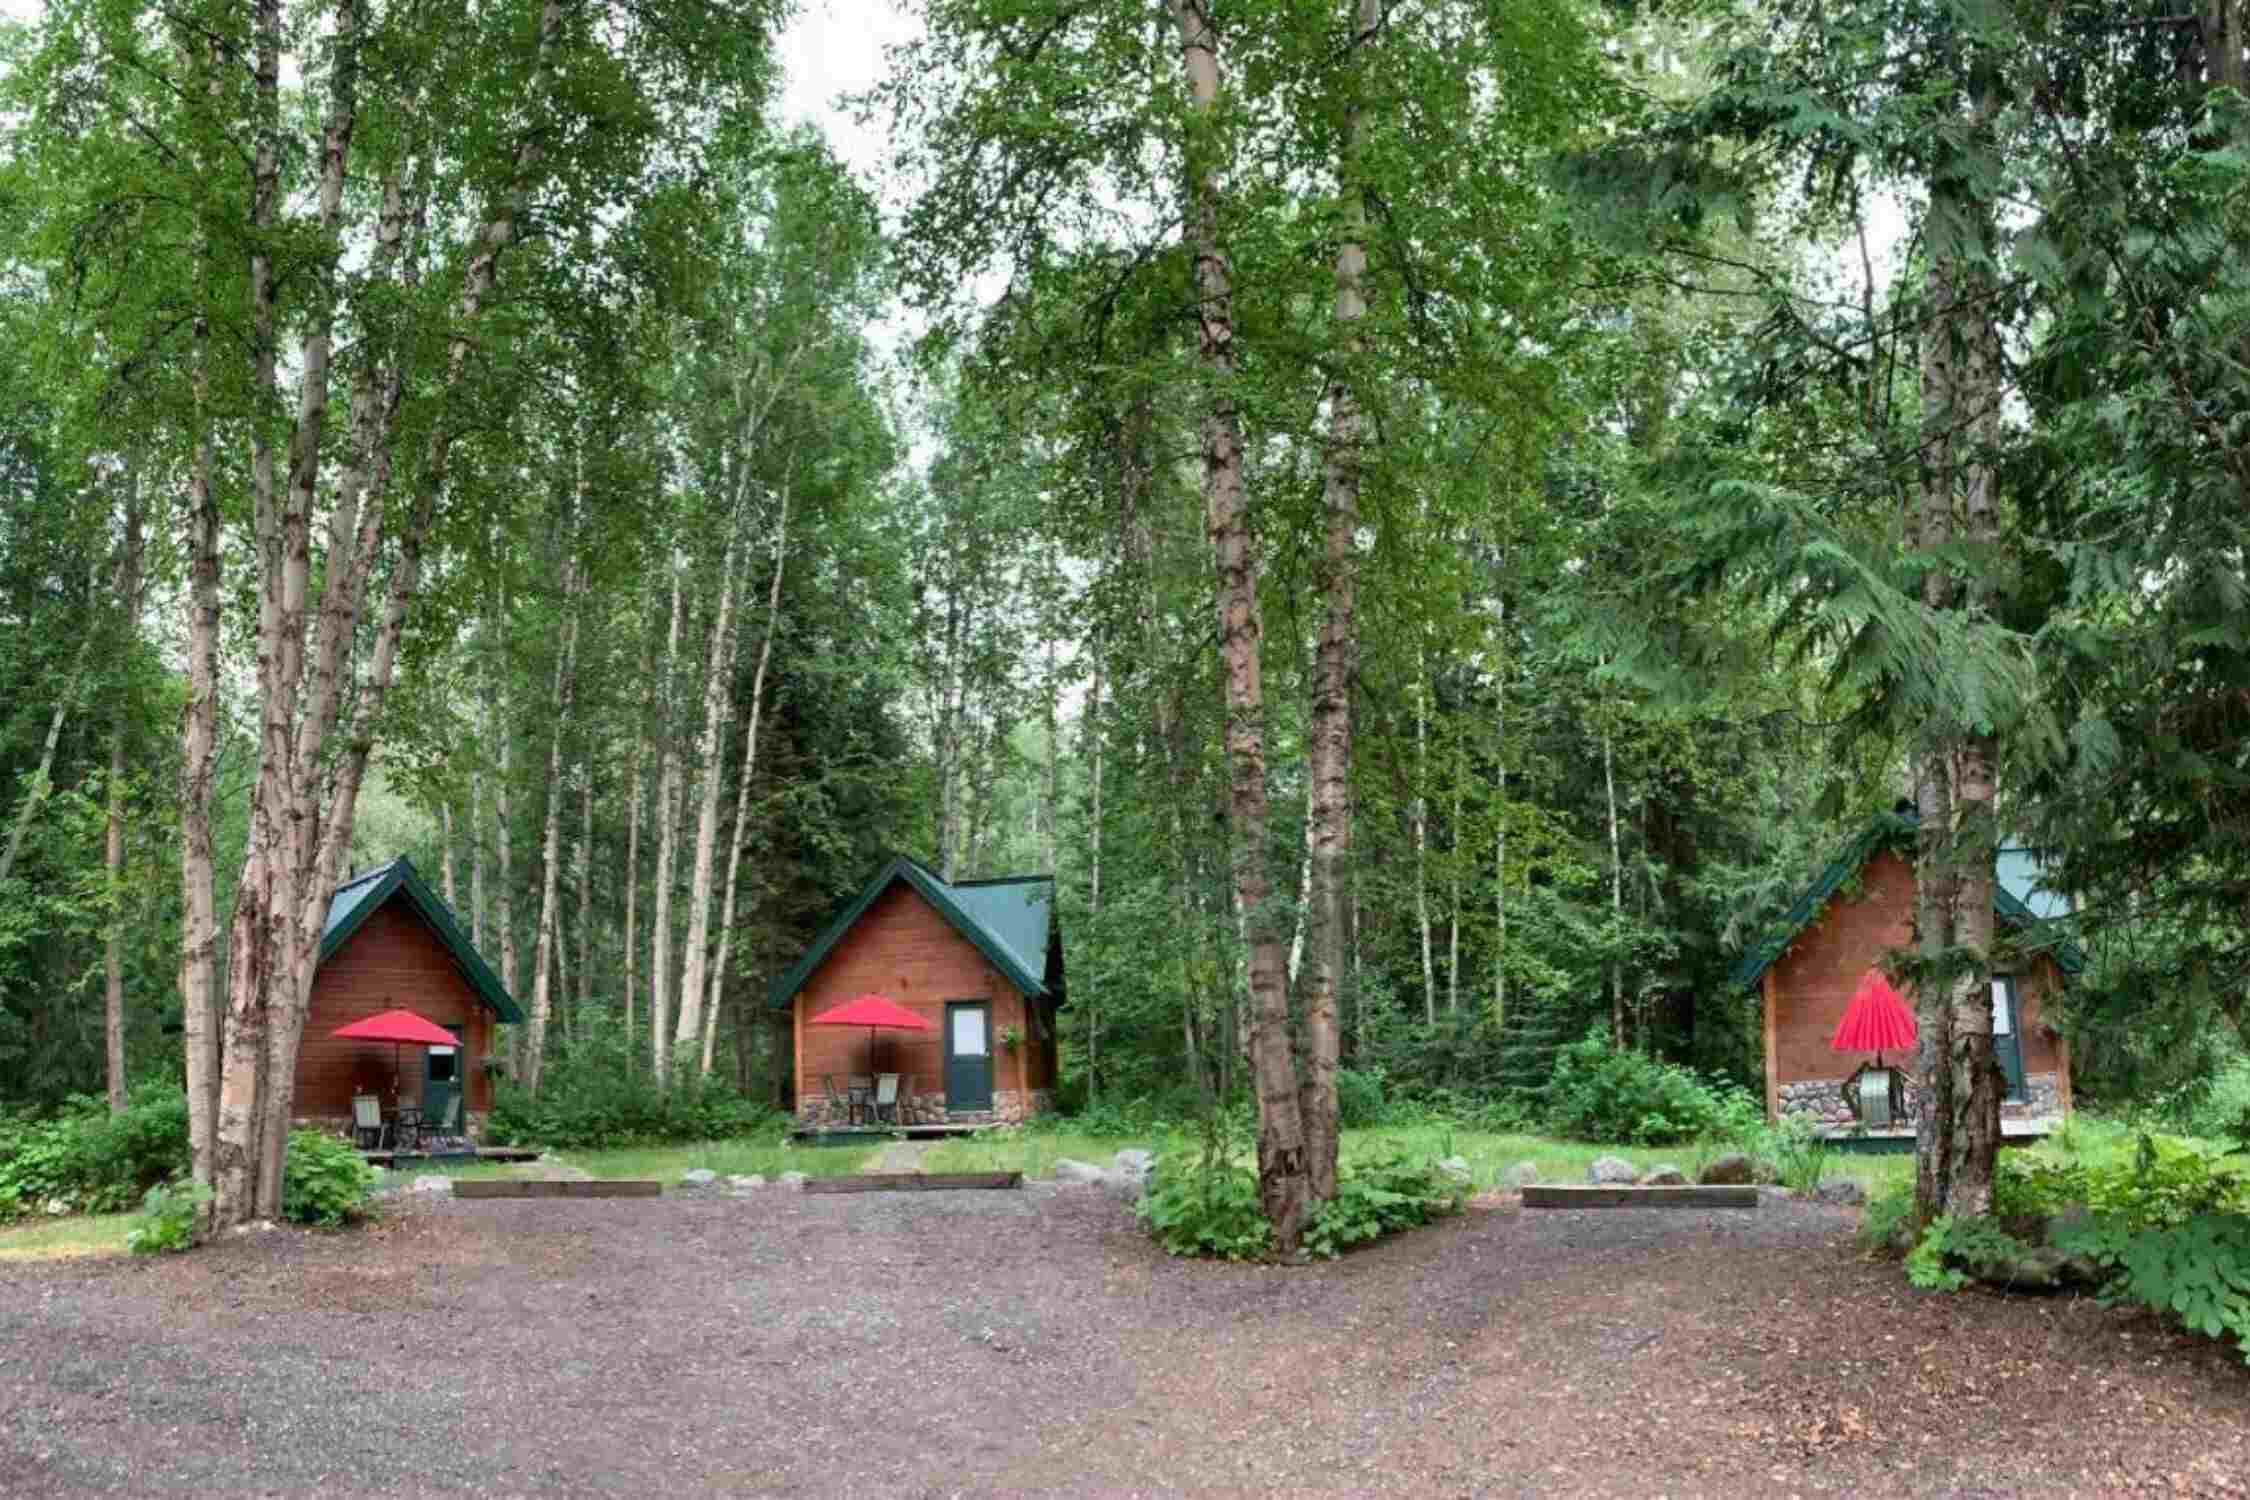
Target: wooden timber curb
x,y
1702,1195
616,1187
911,1182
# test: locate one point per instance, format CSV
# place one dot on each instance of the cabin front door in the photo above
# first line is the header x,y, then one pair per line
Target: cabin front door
x,y
441,1077
968,1054
2007,1041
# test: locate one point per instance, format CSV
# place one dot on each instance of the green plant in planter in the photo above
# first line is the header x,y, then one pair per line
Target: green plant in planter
x,y
1010,1037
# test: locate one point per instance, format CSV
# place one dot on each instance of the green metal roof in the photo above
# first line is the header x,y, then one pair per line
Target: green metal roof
x,y
362,896
1010,921
2017,898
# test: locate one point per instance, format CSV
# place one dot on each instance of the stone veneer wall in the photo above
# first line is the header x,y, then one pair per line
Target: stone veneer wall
x,y
1822,1100
1009,1107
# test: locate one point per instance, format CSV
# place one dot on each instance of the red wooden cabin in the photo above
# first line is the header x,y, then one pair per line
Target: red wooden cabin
x,y
392,943
1856,914
980,960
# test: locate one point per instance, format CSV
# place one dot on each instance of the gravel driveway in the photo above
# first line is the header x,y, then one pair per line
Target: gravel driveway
x,y
982,1342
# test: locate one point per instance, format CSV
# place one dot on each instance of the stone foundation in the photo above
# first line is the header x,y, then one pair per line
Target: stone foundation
x,y
1821,1100
1009,1107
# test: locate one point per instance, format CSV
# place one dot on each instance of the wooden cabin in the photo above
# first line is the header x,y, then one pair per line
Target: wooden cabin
x,y
1855,915
391,943
980,960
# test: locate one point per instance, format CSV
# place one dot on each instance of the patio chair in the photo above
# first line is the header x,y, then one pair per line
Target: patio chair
x,y
367,1122
886,1098
445,1123
862,1087
839,1103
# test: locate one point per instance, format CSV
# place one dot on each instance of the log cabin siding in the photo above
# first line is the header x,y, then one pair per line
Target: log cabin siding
x,y
394,960
1808,988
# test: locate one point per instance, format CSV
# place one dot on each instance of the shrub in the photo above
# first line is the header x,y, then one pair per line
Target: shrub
x,y
1798,1151
1888,1212
2197,1270
1936,1262
1359,1098
167,1219
324,1181
1206,1207
90,1159
1602,1094
599,1093
1379,1197
2163,1181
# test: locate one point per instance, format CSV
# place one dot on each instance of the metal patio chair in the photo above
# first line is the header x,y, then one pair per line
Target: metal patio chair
x,y
367,1122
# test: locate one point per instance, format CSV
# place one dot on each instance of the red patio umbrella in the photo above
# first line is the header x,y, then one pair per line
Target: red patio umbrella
x,y
876,1013
399,1028
1876,1020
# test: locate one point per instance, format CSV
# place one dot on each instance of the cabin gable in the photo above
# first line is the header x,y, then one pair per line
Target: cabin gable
x,y
392,960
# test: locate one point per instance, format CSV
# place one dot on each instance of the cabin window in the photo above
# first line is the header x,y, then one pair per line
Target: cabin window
x,y
445,1062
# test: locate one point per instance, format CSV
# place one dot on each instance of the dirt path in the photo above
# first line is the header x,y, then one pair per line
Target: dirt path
x,y
1034,1342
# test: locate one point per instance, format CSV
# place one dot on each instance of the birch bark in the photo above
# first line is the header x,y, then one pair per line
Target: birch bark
x,y
718,676
129,574
667,832
545,947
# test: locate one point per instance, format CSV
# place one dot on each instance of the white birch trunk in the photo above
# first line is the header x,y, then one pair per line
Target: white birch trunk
x,y
667,831
718,676
545,947
445,854
113,939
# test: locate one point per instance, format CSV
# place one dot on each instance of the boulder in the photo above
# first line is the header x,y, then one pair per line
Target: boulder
x,y
1523,1174
1613,1171
1080,1172
738,1183
1732,1169
791,1179
1456,1169
2040,1268
435,1183
1126,1187
1133,1159
1664,1174
701,1177
1841,1192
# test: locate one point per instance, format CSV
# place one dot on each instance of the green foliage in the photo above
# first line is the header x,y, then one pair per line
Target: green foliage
x,y
324,1180
1378,1197
596,1094
1603,1094
1952,1247
2162,1181
90,1159
1207,1203
1798,1151
1359,1098
2197,1269
1886,1213
166,1223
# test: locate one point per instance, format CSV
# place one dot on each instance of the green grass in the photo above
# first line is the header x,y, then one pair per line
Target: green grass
x,y
65,1239
667,1163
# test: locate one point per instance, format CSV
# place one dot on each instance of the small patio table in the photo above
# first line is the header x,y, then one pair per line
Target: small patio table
x,y
406,1126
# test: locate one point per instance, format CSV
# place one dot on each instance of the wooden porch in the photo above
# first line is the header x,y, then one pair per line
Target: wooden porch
x,y
396,1159
1899,1140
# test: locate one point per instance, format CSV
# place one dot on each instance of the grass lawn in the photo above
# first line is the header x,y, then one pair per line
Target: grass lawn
x,y
62,1239
667,1163
1489,1154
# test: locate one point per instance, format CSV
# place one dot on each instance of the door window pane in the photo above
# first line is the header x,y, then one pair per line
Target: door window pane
x,y
2003,1014
968,1031
445,1065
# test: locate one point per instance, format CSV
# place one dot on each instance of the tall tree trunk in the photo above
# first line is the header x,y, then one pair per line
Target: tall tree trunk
x,y
546,947
633,834
1048,800
1418,814
585,863
1284,1179
35,795
1091,729
199,733
749,769
504,855
446,884
1616,897
718,702
1328,810
1500,833
113,939
667,834
476,859
1453,906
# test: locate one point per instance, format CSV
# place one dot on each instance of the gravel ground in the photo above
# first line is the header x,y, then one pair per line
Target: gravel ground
x,y
1033,1341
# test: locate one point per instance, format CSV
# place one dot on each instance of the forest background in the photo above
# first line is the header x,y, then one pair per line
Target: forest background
x,y
1627,448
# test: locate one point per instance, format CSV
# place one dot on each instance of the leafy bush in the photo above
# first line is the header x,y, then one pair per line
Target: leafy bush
x,y
90,1159
1206,1206
1602,1094
324,1181
599,1093
167,1218
2163,1181
1379,1197
1888,1212
1950,1244
1798,1151
2197,1270
1359,1098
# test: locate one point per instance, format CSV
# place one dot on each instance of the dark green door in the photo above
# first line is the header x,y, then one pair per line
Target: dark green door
x,y
968,1054
441,1078
2007,1039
